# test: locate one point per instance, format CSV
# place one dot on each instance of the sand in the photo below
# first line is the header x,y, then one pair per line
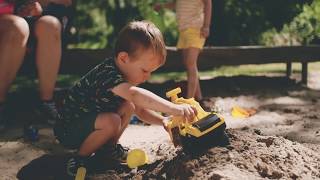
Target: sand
x,y
280,141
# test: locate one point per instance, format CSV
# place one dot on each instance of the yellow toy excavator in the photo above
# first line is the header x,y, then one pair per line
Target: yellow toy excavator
x,y
206,130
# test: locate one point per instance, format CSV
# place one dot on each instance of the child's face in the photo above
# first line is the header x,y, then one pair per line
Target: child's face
x,y
138,68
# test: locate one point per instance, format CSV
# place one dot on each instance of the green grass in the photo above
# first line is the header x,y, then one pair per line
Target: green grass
x,y
250,70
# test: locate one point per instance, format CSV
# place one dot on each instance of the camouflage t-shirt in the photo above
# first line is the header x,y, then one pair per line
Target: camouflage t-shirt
x,y
92,94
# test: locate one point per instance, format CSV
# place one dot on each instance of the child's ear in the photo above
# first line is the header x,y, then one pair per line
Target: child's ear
x,y
123,57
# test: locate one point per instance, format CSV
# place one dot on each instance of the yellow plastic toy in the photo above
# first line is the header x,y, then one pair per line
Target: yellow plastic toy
x,y
81,173
240,112
207,128
136,158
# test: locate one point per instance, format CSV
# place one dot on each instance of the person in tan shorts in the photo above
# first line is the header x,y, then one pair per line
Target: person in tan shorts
x,y
194,18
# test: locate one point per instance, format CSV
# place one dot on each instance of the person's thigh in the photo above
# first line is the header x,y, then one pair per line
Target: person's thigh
x,y
15,25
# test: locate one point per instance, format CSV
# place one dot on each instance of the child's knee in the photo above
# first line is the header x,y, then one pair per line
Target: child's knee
x,y
126,110
109,122
129,107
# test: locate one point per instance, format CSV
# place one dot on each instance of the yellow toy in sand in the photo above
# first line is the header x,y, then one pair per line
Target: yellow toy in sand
x,y
81,173
136,158
206,129
239,112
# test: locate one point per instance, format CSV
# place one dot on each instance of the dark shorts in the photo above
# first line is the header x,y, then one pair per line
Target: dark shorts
x,y
72,134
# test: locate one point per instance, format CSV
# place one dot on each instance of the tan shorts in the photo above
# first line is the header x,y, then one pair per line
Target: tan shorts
x,y
190,38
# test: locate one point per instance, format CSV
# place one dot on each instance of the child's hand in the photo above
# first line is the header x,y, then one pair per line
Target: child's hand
x,y
169,5
157,7
205,31
30,9
165,122
187,111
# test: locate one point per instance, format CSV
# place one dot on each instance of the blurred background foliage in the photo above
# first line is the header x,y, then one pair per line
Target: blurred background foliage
x,y
96,23
302,30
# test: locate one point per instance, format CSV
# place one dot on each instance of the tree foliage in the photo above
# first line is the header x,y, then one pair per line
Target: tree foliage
x,y
234,22
241,22
303,29
98,22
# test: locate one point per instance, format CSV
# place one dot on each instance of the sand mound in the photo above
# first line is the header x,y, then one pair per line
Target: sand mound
x,y
249,156
280,141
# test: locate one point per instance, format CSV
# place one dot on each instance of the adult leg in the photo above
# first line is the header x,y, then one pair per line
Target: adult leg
x,y
190,57
14,33
109,127
47,31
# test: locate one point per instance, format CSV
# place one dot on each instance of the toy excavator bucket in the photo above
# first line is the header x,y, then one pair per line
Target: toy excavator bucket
x,y
81,173
206,130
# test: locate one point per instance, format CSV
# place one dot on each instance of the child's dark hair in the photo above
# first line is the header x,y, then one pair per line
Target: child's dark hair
x,y
139,34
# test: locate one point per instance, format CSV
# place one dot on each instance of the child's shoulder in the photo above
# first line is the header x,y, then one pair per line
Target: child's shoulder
x,y
106,71
107,63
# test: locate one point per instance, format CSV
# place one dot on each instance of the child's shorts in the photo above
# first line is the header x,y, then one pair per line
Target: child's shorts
x,y
72,134
190,38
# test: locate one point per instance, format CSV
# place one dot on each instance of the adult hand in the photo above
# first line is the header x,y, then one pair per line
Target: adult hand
x,y
30,9
157,7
